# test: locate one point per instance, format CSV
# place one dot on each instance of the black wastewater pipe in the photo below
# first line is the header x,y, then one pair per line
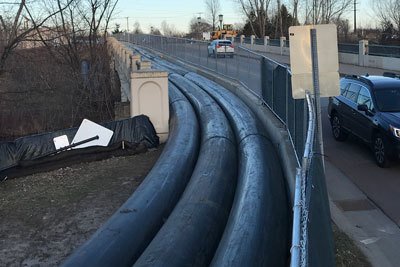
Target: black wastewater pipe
x,y
192,232
258,229
122,239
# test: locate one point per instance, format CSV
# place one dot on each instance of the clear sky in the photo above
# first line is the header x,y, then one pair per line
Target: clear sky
x,y
179,13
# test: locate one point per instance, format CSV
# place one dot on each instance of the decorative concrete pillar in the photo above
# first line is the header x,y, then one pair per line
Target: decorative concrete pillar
x,y
362,51
135,61
266,43
233,39
282,43
149,96
128,61
252,40
241,39
145,65
121,52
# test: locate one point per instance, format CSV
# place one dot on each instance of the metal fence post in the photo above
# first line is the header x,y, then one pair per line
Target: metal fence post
x,y
237,63
287,100
315,71
199,52
249,67
296,231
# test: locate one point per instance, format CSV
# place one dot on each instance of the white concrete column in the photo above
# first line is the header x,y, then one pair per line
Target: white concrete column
x,y
241,39
266,40
252,41
282,43
149,96
233,39
362,51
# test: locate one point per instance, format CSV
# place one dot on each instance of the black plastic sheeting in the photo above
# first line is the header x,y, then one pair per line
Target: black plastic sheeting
x,y
32,150
192,232
258,230
122,239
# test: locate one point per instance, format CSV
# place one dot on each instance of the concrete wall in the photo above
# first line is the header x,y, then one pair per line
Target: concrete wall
x,y
347,58
387,63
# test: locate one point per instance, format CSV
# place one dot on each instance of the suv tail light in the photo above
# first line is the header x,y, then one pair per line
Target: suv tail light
x,y
218,46
231,46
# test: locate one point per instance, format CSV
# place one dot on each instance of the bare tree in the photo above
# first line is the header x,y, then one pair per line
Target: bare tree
x,y
295,8
388,12
170,30
256,12
326,11
212,10
279,19
13,31
196,29
136,28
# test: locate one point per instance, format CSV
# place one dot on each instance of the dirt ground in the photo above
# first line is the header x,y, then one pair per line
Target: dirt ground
x,y
45,216
347,254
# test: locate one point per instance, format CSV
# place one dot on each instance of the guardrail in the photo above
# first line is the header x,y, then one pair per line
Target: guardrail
x,y
270,81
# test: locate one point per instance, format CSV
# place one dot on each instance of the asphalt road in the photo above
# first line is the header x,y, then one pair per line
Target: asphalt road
x,y
355,159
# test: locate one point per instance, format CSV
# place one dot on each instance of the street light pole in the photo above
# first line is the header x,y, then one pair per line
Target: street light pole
x,y
221,18
198,27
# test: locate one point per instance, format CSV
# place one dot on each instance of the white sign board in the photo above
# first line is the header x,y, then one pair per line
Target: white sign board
x,y
89,129
301,64
61,141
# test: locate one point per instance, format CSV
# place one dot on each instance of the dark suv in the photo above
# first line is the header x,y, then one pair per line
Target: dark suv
x,y
369,108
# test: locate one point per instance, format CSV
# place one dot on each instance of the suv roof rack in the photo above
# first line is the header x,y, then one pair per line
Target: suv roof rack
x,y
359,78
391,75
351,76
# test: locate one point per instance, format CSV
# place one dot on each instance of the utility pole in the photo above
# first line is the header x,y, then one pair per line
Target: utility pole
x,y
127,24
313,11
355,16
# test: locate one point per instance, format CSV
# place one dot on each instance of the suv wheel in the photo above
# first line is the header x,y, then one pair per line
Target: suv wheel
x,y
338,132
380,152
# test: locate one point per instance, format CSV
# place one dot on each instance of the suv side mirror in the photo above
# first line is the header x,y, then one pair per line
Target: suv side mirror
x,y
362,107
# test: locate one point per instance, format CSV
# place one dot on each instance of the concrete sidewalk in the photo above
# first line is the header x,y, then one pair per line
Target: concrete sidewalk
x,y
373,232
343,68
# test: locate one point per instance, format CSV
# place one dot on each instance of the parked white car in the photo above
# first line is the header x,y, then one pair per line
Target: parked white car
x,y
221,48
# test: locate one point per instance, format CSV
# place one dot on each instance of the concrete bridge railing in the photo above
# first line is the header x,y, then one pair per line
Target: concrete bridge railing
x,y
144,88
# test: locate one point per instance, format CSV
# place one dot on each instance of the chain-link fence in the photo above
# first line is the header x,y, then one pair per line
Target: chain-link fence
x,y
267,79
384,50
270,81
348,48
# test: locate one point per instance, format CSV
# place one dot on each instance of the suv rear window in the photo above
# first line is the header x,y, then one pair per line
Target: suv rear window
x,y
388,100
225,43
